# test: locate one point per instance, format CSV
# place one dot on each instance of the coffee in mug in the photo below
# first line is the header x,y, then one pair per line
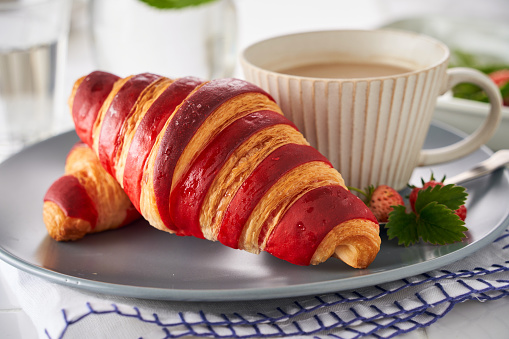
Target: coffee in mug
x,y
365,98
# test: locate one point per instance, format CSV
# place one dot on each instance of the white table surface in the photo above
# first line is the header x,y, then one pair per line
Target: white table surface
x,y
471,319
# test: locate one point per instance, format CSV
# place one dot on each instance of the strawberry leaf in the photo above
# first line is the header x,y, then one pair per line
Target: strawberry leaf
x,y
438,224
434,222
403,226
451,196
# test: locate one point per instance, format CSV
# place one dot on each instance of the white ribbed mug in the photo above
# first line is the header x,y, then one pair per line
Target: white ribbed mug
x,y
372,129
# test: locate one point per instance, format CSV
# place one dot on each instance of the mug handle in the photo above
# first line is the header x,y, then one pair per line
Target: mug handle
x,y
483,133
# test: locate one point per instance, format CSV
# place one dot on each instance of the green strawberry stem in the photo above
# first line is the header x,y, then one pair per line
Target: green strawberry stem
x,y
355,189
367,194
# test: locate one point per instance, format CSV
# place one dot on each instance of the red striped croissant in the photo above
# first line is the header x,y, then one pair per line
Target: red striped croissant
x,y
218,160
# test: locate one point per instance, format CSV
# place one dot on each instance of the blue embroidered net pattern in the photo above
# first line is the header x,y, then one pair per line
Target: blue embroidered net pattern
x,y
381,311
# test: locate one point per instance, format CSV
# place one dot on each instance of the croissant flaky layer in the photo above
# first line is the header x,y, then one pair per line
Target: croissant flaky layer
x,y
86,199
218,160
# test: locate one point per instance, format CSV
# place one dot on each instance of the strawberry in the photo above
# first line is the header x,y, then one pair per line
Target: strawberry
x,y
380,200
500,77
461,211
415,190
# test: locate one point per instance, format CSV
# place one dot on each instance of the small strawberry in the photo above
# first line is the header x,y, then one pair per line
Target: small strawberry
x,y
380,200
461,211
425,184
500,77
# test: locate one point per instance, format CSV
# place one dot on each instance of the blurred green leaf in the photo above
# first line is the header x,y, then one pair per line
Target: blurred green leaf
x,y
470,91
174,4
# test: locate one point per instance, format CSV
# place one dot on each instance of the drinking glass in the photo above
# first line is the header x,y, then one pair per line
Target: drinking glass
x,y
33,48
131,37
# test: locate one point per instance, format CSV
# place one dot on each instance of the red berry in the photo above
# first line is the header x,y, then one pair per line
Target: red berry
x,y
500,77
413,195
382,200
461,211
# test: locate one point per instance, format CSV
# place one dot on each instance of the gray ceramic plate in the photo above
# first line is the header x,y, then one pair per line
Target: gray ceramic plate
x,y
140,261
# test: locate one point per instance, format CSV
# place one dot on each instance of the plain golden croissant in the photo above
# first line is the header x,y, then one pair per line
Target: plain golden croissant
x,y
86,199
218,160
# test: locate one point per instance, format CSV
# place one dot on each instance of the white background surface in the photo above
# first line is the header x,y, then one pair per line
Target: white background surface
x,y
260,19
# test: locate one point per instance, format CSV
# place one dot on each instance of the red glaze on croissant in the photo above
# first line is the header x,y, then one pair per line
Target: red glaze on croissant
x,y
218,160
